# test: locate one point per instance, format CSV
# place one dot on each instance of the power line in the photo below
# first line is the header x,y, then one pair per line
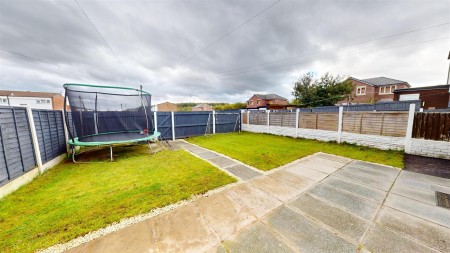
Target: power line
x,y
335,48
228,33
300,62
96,29
25,56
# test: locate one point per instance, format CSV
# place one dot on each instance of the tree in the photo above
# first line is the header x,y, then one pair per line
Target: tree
x,y
235,106
327,90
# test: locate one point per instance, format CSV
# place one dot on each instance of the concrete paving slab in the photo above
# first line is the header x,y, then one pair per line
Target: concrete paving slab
x,y
256,238
383,240
243,172
222,162
194,149
182,229
135,238
339,220
428,197
306,235
335,158
258,202
426,178
326,162
371,172
307,172
292,180
435,214
358,206
423,185
363,179
208,155
276,188
428,233
322,165
225,215
356,188
379,167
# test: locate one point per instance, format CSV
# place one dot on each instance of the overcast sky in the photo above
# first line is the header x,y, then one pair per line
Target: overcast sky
x,y
219,50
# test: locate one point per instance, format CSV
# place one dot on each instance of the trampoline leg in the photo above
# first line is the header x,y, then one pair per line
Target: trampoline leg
x,y
73,155
111,153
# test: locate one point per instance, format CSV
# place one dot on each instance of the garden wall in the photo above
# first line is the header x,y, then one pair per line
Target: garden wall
x,y
382,130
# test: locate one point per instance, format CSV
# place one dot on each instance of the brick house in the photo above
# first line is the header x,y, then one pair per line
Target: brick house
x,y
267,101
37,100
166,107
431,97
372,90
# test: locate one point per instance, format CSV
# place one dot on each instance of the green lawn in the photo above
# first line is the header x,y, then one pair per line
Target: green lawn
x,y
265,152
70,200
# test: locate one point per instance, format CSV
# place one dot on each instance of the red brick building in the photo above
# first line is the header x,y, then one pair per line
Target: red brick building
x,y
372,90
431,97
267,101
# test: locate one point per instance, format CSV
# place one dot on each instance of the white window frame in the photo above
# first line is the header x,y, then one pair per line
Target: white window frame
x,y
389,89
251,102
359,90
258,101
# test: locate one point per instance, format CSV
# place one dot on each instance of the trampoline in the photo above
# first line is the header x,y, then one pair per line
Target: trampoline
x,y
107,115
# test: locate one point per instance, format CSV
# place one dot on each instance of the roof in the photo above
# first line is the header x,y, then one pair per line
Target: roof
x,y
201,105
269,96
15,93
434,87
380,81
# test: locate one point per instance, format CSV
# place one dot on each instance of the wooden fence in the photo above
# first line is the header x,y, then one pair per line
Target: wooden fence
x,y
432,126
371,123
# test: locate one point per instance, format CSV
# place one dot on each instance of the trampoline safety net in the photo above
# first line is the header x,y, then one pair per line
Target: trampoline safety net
x,y
107,114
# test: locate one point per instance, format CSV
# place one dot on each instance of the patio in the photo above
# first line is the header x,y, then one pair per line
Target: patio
x,y
321,203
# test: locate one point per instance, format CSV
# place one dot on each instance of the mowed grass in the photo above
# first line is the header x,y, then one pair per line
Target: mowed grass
x,y
265,152
70,200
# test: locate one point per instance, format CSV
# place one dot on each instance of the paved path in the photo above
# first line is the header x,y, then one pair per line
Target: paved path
x,y
324,203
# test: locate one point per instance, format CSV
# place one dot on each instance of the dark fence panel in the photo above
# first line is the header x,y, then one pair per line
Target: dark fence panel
x,y
50,133
189,124
16,146
165,125
432,126
228,122
382,106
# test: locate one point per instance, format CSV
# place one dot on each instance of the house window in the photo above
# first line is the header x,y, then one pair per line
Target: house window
x,y
258,101
361,90
38,101
251,102
388,89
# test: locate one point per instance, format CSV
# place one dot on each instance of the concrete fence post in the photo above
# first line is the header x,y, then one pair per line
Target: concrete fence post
x,y
340,120
297,114
155,115
173,125
248,117
409,128
214,121
268,121
37,151
66,133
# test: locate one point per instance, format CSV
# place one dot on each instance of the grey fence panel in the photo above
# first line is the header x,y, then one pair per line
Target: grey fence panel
x,y
189,124
50,133
165,125
396,106
382,106
228,122
16,147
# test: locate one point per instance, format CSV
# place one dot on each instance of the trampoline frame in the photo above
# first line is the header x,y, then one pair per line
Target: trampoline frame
x,y
74,141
